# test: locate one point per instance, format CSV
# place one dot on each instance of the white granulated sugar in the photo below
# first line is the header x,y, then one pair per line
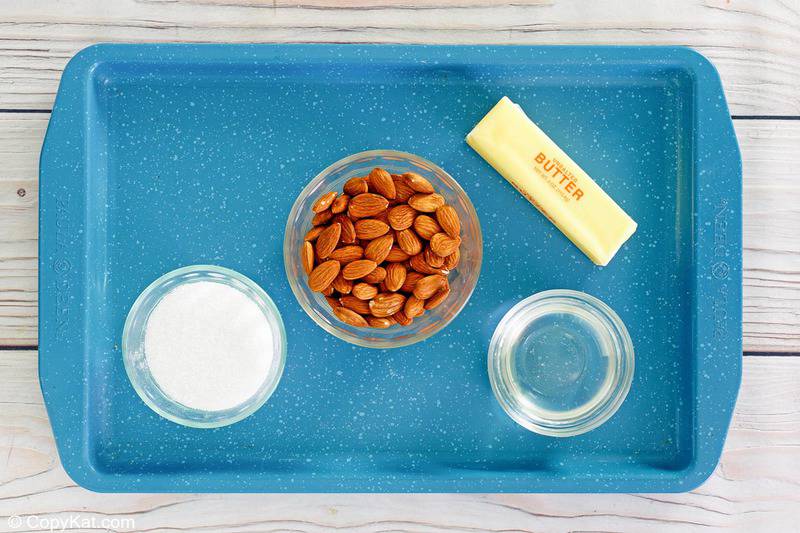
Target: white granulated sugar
x,y
208,345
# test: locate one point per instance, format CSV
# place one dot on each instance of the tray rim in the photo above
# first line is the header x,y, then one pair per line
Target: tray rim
x,y
718,251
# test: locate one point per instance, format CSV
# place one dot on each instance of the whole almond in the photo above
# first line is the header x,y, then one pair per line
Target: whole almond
x,y
448,220
426,227
364,291
434,260
383,216
404,192
354,304
348,230
370,228
328,240
358,269
381,182
418,183
379,248
366,204
355,186
340,204
395,276
419,264
376,276
401,318
412,277
427,286
386,304
396,255
313,233
323,217
425,203
413,307
350,317
332,302
328,291
437,298
324,202
402,216
380,323
347,254
343,286
444,245
323,275
307,257
451,261
408,241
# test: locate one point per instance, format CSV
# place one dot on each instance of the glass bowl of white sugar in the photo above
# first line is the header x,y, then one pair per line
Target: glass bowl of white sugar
x,y
204,346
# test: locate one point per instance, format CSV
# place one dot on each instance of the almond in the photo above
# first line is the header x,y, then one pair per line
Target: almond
x,y
313,233
328,240
418,183
323,275
340,204
412,278
449,221
355,186
425,203
332,302
426,227
383,216
381,182
364,291
379,248
386,304
380,323
369,228
434,260
367,204
427,286
401,318
343,286
376,276
418,263
444,245
323,202
354,304
347,254
437,298
328,291
358,269
322,217
402,216
395,276
350,317
413,307
307,257
451,261
408,241
404,191
396,255
348,235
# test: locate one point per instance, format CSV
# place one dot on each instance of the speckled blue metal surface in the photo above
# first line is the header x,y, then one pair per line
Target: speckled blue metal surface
x,y
160,156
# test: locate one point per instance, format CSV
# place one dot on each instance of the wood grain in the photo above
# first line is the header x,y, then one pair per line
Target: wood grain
x,y
755,487
771,155
751,42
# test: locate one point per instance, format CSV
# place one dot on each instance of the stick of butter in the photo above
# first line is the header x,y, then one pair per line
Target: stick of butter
x,y
524,155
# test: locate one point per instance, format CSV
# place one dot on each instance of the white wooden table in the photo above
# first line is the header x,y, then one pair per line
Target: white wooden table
x,y
753,43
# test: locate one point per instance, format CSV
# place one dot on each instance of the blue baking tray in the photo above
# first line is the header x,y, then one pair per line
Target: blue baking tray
x,y
161,156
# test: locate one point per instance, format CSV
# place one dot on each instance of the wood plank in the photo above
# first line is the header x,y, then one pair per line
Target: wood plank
x,y
755,487
751,42
771,154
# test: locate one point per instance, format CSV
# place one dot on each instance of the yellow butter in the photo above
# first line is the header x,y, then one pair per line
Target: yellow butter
x,y
523,154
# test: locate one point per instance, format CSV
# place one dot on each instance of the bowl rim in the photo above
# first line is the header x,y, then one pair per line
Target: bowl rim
x,y
289,259
265,302
596,411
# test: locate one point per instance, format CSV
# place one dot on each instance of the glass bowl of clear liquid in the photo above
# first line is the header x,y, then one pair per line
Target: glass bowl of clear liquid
x,y
561,362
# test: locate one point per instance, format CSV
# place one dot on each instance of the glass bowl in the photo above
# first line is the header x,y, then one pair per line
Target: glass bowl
x,y
561,362
134,356
462,280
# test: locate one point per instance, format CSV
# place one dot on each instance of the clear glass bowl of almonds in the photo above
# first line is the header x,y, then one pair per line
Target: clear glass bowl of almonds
x,y
383,249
